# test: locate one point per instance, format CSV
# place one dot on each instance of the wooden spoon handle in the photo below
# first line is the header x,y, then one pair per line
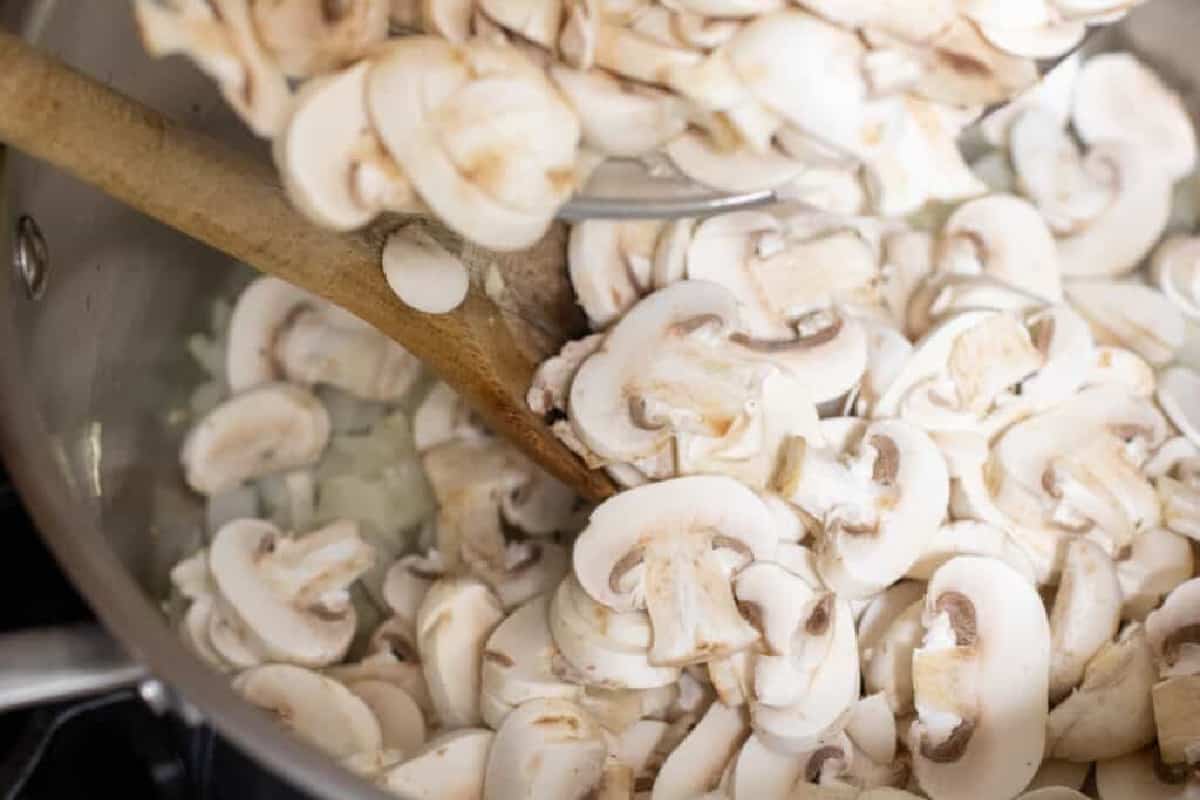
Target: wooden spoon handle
x,y
234,203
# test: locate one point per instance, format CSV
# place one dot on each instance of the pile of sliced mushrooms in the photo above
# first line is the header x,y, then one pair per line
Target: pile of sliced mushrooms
x,y
910,504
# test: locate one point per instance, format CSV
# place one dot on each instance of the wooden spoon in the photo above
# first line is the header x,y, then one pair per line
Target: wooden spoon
x,y
486,349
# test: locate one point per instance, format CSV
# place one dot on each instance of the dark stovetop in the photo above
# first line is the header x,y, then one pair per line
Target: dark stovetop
x,y
109,745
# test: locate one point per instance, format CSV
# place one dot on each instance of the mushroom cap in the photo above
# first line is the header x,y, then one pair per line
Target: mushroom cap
x,y
1172,629
271,428
1112,83
1136,776
1130,315
401,722
970,537
423,273
886,658
1085,616
1178,394
450,765
319,710
658,547
697,764
453,624
547,747
262,311
290,592
980,681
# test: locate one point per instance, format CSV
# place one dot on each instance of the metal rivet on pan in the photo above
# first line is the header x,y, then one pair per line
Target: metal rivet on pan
x,y
31,258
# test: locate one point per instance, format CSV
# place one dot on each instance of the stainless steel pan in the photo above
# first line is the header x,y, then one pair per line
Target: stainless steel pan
x,y
93,314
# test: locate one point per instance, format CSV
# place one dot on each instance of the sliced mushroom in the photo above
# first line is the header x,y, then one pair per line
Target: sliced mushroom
x,y
1142,776
671,548
1178,392
1112,83
1086,612
1174,631
262,312
980,682
547,747
1053,793
401,722
879,500
1110,714
391,658
1058,772
872,728
1132,316
307,37
1053,94
453,624
499,183
1158,561
731,169
442,417
319,710
1177,717
291,592
450,765
423,273
610,265
1116,365
267,429
407,582
697,764
1176,271
971,538
620,119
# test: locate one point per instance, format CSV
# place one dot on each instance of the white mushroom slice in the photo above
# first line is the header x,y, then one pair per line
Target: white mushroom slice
x,y
971,538
1086,612
1058,772
1176,271
519,661
194,629
1158,561
1053,93
307,37
761,772
872,728
810,791
918,21
443,416
1053,793
400,719
267,429
731,170
407,582
1043,42
453,624
1109,85
547,747
539,21
980,682
879,501
317,709
671,548
291,592
696,765
423,273
1110,714
665,369
499,173
1178,394
391,658
1052,172
732,677
449,766
1142,776
1117,239
619,119
1177,717
529,569
1132,316
610,265
1003,237
1174,631
1121,367
604,647
887,658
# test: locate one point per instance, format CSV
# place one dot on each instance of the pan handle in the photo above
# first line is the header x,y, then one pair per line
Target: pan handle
x,y
42,665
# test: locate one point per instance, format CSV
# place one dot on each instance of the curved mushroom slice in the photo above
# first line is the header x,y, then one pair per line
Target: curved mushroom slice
x,y
879,501
267,429
547,747
317,709
263,311
1116,365
1108,86
980,681
219,37
1178,391
1086,612
1003,237
443,416
308,37
450,765
671,548
1176,271
603,647
1116,240
529,569
520,663
291,592
1132,316
1052,94
401,722
697,764
482,134
1046,41
1110,714
407,582
971,538
423,273
763,771
732,169
1174,631
664,368
1143,776
1176,710
1055,772
610,265
872,728
1053,793
1158,561
620,119
453,624
392,659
